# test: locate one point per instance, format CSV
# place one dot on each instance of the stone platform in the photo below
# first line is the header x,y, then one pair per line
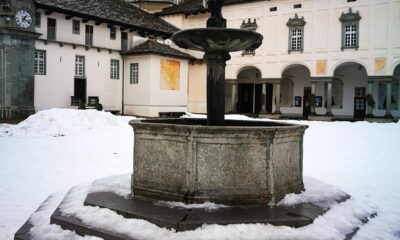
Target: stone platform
x,y
178,218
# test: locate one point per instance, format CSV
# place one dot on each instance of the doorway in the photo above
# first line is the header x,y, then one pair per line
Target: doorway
x,y
359,103
306,102
80,89
269,98
250,98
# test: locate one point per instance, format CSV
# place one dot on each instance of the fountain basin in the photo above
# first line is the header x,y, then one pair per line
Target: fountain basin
x,y
243,162
217,39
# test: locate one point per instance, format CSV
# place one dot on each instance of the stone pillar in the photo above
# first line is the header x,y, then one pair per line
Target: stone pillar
x,y
277,97
370,91
264,102
329,99
313,86
234,93
388,99
216,62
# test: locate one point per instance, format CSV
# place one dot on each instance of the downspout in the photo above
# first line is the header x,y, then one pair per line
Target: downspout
x,y
123,84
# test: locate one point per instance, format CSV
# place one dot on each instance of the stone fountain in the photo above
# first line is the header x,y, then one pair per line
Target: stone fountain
x,y
231,162
248,165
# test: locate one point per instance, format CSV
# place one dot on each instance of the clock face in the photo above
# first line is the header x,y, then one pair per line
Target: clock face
x,y
23,18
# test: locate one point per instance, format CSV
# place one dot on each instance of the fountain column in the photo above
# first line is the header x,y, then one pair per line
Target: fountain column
x,y
216,62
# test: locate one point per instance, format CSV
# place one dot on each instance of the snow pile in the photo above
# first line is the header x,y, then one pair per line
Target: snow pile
x,y
120,185
317,193
209,206
62,122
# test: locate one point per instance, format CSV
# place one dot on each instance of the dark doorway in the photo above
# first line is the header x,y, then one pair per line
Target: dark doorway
x,y
80,89
269,98
250,98
124,41
359,103
306,103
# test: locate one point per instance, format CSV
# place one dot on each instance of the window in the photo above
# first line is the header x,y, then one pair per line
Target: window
x,y
76,26
51,29
38,17
134,79
114,69
89,35
350,29
40,62
79,66
273,9
124,41
297,6
296,33
113,33
296,39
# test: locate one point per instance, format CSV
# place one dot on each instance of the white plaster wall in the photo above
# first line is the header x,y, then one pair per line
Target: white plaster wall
x,y
56,87
101,33
146,98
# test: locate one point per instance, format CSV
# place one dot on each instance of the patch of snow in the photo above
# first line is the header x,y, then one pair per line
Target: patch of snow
x,y
120,185
207,205
316,192
64,122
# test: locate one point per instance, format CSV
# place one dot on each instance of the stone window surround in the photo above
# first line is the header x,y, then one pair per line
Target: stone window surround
x,y
114,69
349,19
40,59
76,26
134,73
79,66
296,23
250,26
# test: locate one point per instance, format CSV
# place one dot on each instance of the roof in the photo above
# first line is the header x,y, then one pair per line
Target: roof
x,y
154,47
116,12
195,6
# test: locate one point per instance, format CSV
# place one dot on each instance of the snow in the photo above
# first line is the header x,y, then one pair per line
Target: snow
x,y
57,149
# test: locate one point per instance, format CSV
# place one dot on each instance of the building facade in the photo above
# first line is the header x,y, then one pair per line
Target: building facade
x,y
328,57
331,58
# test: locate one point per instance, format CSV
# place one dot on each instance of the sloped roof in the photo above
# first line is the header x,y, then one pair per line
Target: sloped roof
x,y
195,6
154,47
117,12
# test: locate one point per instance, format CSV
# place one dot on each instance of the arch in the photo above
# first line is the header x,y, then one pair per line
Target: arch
x,y
294,64
345,62
246,67
395,66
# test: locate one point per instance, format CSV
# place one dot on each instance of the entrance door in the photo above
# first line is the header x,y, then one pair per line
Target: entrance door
x,y
249,98
80,89
269,98
359,103
306,104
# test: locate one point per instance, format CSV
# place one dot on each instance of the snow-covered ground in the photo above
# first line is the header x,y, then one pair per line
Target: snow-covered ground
x,y
56,149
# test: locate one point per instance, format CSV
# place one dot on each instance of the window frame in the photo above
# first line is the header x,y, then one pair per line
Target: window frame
x,y
114,69
134,73
37,60
296,24
80,65
350,19
76,31
113,33
38,19
49,28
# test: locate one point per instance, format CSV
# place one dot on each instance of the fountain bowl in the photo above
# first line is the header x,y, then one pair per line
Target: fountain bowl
x,y
241,163
217,39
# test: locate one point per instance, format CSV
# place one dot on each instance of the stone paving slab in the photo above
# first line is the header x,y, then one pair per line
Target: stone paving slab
x,y
182,219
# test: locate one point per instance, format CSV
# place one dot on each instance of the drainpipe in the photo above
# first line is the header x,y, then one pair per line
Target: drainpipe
x,y
123,84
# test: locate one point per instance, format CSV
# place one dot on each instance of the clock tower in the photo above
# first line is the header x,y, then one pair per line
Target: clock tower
x,y
17,52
